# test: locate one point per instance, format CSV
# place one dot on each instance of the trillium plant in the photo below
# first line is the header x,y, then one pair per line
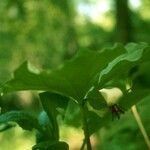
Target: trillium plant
x,y
95,81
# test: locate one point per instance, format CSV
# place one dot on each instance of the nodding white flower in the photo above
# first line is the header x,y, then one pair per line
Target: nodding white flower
x,y
111,95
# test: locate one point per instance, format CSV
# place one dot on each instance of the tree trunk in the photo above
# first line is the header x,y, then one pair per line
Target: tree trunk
x,y
124,30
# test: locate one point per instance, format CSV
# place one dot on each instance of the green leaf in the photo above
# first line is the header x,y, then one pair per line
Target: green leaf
x,y
73,79
47,129
72,115
95,122
95,99
51,102
119,68
131,98
24,119
141,76
48,145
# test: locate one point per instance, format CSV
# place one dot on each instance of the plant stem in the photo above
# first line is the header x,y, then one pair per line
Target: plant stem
x,y
141,126
85,128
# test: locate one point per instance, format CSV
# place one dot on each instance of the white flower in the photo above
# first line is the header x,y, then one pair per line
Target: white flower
x,y
111,95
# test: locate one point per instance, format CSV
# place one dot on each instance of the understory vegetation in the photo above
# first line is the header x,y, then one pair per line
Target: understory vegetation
x,y
68,81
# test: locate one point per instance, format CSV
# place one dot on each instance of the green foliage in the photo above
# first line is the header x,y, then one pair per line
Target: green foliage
x,y
48,145
73,79
124,133
51,102
80,80
46,33
24,119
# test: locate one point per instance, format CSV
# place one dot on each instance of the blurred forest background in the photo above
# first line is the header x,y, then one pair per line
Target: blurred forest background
x,y
48,32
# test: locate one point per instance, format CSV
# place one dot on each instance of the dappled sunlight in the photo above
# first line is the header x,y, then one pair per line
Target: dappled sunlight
x,y
74,137
16,139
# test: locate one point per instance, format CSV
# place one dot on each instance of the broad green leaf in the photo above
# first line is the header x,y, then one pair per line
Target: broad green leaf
x,y
73,79
76,78
24,119
51,102
47,129
95,122
95,99
138,55
119,68
72,115
131,98
49,145
141,76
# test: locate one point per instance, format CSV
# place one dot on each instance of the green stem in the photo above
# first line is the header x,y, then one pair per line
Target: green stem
x,y
141,126
85,128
